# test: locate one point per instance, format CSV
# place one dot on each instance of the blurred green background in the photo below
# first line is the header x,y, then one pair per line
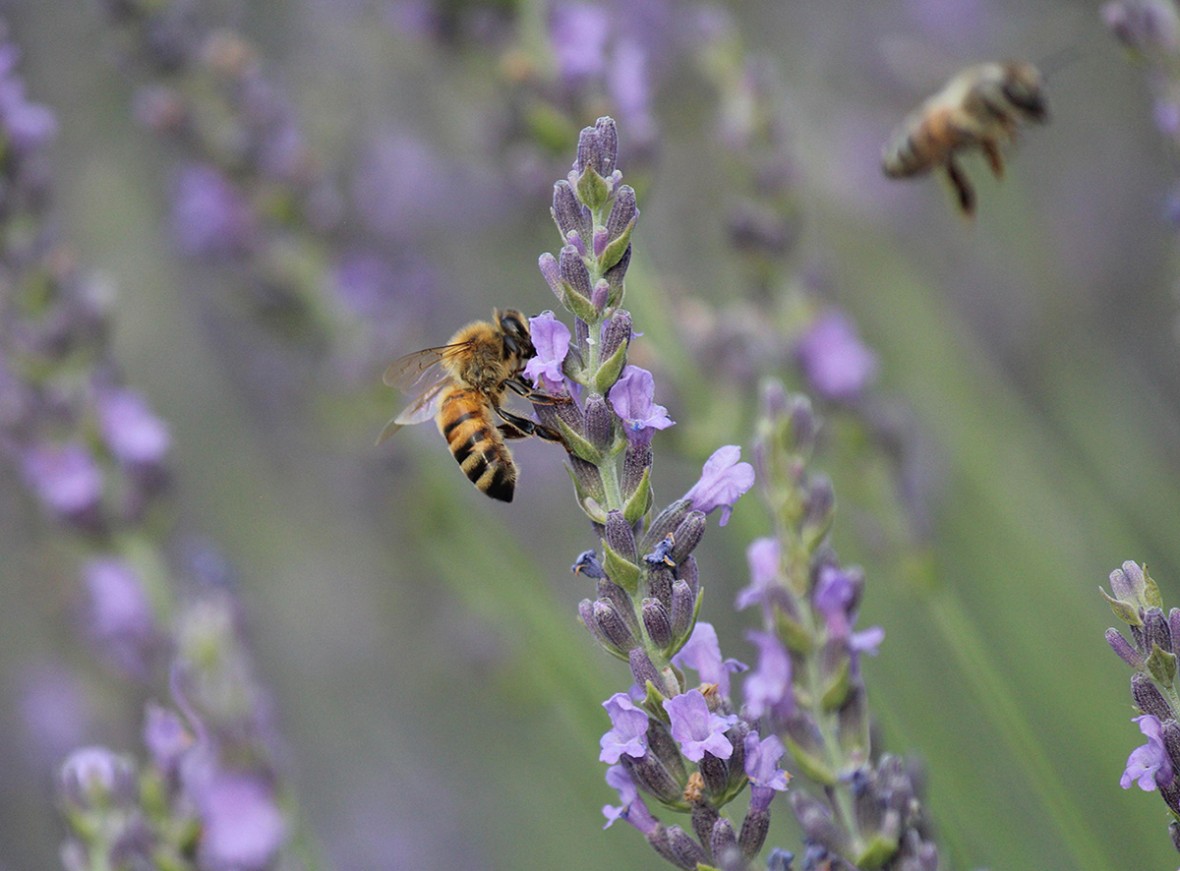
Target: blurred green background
x,y
439,699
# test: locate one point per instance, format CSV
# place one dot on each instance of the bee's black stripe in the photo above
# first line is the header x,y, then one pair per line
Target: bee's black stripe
x,y
450,427
463,451
503,484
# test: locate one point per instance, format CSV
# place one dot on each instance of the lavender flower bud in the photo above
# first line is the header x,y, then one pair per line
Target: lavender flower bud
x,y
600,296
1123,648
663,746
574,272
687,537
665,522
608,591
551,272
816,822
598,148
1155,631
657,622
1174,629
599,243
649,773
620,536
659,584
688,572
637,461
615,275
683,604
569,215
643,670
613,626
715,771
754,829
688,852
586,612
616,332
623,213
704,818
724,846
587,480
599,423
1148,699
588,566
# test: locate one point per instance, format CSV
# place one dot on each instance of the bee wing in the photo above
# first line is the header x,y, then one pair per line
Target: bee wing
x,y
405,373
422,409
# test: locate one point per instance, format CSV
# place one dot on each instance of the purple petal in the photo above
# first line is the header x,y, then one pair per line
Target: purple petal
x,y
723,481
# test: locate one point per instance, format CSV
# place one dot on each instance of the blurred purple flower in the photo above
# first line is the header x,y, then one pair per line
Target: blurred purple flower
x,y
867,640
365,283
629,730
702,653
762,556
551,338
243,827
120,615
95,776
134,435
1143,25
210,216
835,593
631,398
697,729
629,83
578,33
762,758
166,737
1148,765
65,478
27,125
835,361
767,688
723,481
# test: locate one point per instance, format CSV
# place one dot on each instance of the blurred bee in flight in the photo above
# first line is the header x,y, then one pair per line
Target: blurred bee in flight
x,y
981,107
462,385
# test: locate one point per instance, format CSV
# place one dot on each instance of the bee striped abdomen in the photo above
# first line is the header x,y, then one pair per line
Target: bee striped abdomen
x,y
464,420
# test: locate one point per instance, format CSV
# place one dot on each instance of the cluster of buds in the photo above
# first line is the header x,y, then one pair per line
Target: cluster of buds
x,y
206,796
1152,653
679,744
807,687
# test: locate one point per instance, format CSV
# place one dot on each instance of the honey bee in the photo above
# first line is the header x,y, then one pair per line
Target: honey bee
x,y
981,107
462,385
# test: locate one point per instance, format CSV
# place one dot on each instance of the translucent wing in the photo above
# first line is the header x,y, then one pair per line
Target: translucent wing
x,y
422,409
406,372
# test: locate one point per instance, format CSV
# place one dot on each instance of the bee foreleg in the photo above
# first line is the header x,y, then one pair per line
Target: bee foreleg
x,y
962,186
517,427
533,395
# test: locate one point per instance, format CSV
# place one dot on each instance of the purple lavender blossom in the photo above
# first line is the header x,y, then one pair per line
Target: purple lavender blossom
x,y
702,653
619,779
1148,765
723,481
768,687
27,126
578,33
629,730
64,477
133,434
761,765
210,217
551,339
120,615
835,361
166,737
835,593
631,397
96,776
762,556
243,826
1143,25
697,729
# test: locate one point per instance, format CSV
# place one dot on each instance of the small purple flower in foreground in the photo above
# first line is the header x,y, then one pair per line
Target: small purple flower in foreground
x,y
697,729
131,431
762,762
243,827
619,779
702,653
1148,765
768,687
551,338
834,359
763,558
65,477
631,398
629,732
723,481
835,591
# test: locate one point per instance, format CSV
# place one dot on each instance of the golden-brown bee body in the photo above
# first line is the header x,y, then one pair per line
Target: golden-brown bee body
x,y
464,391
981,107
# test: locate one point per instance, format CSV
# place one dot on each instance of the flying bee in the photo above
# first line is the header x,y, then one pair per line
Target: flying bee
x,y
981,107
462,385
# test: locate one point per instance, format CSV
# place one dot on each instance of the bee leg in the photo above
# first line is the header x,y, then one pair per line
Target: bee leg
x,y
962,186
517,427
991,150
533,395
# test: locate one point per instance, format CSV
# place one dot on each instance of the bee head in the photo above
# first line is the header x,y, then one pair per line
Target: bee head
x,y
514,327
1023,88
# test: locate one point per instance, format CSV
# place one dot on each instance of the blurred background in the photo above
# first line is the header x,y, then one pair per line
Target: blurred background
x,y
438,699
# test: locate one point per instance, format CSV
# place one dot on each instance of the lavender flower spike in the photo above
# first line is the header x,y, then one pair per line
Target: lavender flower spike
x,y
723,481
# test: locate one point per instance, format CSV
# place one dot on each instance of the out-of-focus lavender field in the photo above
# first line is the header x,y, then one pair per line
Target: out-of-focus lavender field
x,y
268,202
